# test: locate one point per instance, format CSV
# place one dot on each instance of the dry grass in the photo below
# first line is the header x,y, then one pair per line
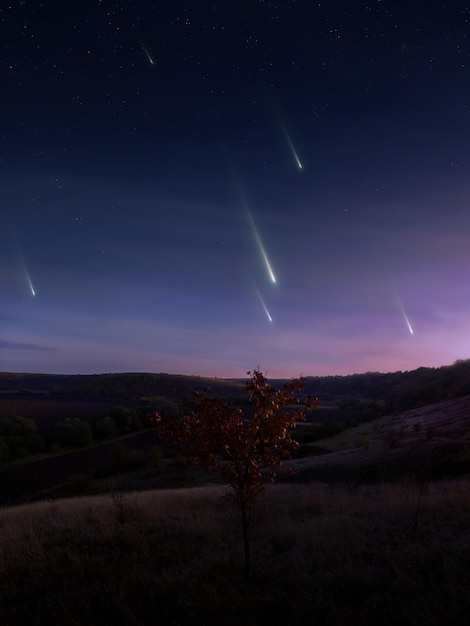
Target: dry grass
x,y
388,554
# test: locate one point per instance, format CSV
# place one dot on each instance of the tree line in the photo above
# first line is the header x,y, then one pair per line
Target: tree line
x,y
20,436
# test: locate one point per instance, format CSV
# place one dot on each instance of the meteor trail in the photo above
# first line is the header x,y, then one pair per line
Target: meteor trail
x,y
261,247
264,305
28,278
151,61
289,141
405,315
30,284
147,53
259,243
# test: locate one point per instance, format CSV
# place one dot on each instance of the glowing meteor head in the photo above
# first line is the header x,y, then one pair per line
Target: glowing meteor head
x,y
405,316
290,144
263,304
28,277
259,243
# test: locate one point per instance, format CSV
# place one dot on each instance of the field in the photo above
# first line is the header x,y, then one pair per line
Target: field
x,y
373,528
428,442
389,554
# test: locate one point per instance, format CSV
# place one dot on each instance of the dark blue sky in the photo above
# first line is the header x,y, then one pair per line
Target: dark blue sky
x,y
207,187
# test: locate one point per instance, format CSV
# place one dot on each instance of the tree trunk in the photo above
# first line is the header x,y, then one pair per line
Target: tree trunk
x,y
246,540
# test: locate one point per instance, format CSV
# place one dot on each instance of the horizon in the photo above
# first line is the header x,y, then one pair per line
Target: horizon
x,y
217,377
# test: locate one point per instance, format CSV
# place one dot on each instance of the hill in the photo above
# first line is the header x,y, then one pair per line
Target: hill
x,y
370,427
372,529
127,386
394,555
397,390
425,443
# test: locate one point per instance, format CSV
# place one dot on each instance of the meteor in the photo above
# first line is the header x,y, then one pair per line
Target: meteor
x,y
33,293
28,278
149,57
289,141
260,246
264,305
405,315
259,243
142,45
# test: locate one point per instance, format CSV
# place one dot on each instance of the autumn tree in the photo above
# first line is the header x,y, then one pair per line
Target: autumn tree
x,y
246,451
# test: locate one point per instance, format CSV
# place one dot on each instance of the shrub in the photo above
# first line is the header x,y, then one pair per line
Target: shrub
x,y
161,405
127,460
73,432
78,484
20,435
125,420
4,451
105,428
155,456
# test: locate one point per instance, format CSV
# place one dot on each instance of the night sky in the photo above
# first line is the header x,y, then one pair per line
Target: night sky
x,y
210,187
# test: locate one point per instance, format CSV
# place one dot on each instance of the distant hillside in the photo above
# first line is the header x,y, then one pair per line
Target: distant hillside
x,y
55,383
397,391
353,437
426,443
129,386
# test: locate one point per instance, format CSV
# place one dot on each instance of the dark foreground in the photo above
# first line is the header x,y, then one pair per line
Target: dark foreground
x,y
389,554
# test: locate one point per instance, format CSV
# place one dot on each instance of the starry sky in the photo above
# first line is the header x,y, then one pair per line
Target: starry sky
x,y
209,187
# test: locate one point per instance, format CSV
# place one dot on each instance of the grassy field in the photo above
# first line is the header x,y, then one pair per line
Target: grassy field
x,y
379,554
374,529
